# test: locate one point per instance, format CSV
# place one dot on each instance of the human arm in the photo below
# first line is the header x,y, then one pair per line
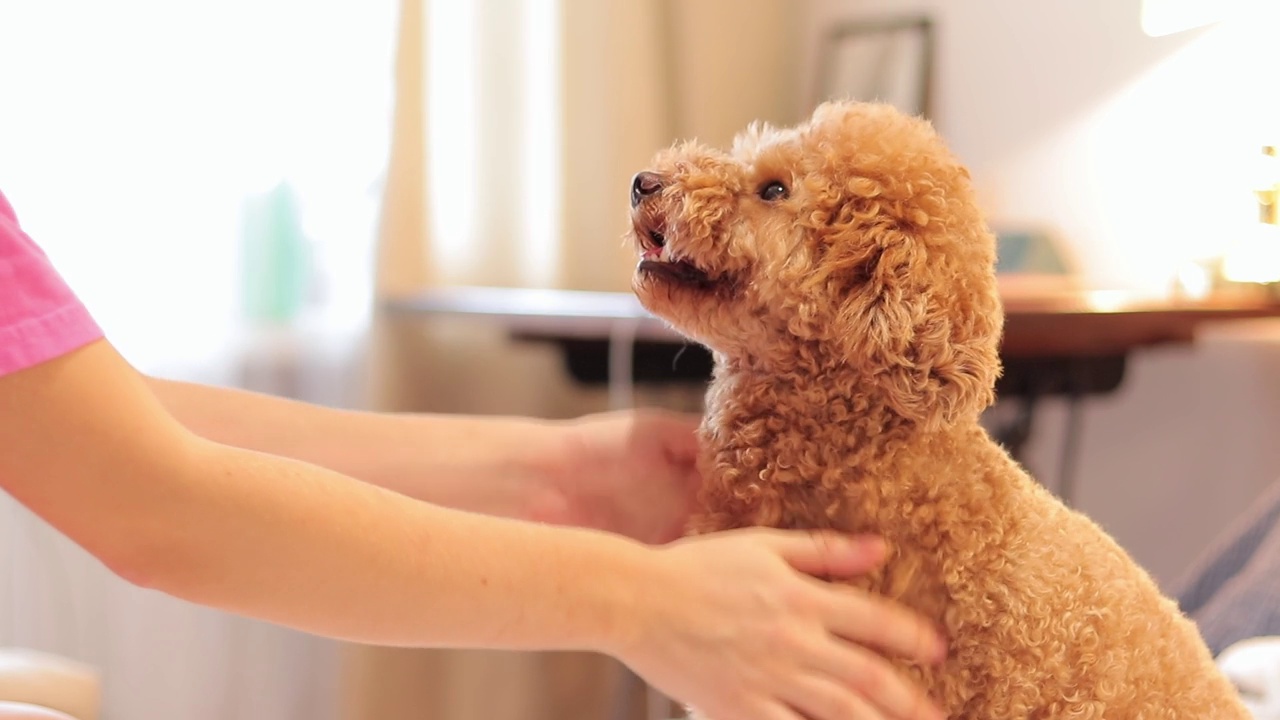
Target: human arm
x,y
627,472
495,465
90,449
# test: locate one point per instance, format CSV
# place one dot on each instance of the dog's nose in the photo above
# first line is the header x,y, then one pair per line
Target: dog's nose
x,y
643,185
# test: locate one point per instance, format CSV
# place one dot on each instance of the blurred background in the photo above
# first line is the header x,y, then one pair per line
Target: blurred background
x,y
236,190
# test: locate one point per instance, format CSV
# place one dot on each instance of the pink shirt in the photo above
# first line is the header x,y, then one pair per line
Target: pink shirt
x,y
40,317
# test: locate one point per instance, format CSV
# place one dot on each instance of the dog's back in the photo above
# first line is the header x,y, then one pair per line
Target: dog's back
x,y
1048,616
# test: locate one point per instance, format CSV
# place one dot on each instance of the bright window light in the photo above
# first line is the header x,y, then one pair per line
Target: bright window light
x,y
130,148
452,120
494,178
1166,17
542,139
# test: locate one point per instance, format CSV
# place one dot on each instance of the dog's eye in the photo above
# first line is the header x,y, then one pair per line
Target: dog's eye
x,y
773,190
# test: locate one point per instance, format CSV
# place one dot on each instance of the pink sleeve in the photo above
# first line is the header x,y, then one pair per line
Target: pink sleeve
x,y
40,317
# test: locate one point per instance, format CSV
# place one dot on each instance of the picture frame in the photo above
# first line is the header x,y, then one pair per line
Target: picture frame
x,y
888,59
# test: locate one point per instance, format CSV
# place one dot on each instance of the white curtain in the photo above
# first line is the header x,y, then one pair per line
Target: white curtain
x,y
538,112
208,176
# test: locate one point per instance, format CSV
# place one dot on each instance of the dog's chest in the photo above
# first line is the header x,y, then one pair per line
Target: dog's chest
x,y
795,487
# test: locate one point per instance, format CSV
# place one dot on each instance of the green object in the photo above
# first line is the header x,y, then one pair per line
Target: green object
x,y
275,256
1029,251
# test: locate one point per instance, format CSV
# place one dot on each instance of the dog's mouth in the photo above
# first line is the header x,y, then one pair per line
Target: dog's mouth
x,y
659,261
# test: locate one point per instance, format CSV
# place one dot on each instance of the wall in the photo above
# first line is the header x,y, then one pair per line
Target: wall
x,y
1136,150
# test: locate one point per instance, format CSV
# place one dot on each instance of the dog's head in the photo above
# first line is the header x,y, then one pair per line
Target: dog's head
x,y
854,237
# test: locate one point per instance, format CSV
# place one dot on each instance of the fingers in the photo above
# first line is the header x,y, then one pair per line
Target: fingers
x,y
829,554
875,682
869,619
679,436
856,615
777,711
819,697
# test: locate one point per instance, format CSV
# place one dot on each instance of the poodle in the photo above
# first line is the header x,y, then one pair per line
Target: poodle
x,y
842,275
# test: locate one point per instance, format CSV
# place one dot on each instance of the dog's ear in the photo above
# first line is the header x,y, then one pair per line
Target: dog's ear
x,y
920,320
902,273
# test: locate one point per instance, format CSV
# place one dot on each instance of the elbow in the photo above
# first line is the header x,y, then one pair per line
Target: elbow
x,y
143,558
150,543
139,564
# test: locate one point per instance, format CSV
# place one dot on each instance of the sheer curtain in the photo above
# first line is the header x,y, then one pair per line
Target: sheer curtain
x,y
209,178
538,112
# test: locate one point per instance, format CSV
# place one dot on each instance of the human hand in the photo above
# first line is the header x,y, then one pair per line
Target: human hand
x,y
741,630
631,472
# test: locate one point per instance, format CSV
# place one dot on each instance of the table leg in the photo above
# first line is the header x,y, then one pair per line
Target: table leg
x,y
1028,381
1015,434
1070,449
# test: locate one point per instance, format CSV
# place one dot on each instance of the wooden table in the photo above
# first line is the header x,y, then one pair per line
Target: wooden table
x,y
1082,324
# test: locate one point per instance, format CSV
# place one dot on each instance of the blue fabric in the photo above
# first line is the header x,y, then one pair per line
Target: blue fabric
x,y
1233,591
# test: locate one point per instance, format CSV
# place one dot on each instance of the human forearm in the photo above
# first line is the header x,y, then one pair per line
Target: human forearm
x,y
411,573
495,465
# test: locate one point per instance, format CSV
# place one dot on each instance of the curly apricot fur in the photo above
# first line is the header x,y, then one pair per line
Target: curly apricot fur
x,y
855,324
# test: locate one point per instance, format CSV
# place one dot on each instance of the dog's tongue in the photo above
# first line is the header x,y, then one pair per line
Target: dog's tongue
x,y
652,253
